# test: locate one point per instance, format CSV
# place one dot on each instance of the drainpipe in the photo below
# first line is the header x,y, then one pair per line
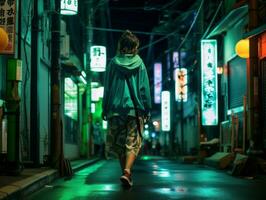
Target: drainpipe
x,y
34,117
56,126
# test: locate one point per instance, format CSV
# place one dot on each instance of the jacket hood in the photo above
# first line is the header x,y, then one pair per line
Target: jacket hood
x,y
128,61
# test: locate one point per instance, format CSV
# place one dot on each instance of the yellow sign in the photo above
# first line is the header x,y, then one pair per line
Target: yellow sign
x,y
8,23
3,39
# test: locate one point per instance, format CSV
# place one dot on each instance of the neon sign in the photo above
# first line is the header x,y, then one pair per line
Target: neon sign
x,y
69,7
98,58
209,102
165,115
157,82
181,84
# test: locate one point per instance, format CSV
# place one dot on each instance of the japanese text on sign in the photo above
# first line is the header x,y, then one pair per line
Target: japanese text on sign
x,y
209,100
8,23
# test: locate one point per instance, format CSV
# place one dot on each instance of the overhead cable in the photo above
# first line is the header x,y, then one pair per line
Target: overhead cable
x,y
174,32
213,18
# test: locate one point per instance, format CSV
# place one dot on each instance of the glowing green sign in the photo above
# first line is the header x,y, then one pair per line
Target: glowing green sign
x,y
69,7
209,102
98,58
105,124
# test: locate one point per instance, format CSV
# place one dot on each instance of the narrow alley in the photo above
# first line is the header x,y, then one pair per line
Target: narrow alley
x,y
154,178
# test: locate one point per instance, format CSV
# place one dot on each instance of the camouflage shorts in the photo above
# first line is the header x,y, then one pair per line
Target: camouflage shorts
x,y
123,137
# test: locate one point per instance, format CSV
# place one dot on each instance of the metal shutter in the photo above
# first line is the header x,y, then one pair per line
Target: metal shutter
x,y
237,82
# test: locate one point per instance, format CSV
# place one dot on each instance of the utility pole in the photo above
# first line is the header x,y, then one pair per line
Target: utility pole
x,y
253,125
87,115
56,125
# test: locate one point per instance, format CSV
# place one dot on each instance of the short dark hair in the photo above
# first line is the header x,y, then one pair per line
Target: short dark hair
x,y
128,43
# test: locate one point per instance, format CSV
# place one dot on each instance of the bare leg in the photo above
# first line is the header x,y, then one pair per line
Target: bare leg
x,y
129,161
122,160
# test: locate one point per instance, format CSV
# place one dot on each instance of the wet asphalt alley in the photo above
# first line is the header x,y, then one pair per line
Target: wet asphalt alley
x,y
154,179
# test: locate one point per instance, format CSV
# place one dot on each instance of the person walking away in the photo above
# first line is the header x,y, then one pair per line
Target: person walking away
x,y
126,103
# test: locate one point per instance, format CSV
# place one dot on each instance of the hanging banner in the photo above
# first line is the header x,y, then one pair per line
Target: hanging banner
x,y
8,23
209,100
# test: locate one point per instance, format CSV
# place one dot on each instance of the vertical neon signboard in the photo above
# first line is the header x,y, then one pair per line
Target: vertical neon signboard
x,y
157,82
181,84
69,7
209,102
165,111
98,58
105,124
176,59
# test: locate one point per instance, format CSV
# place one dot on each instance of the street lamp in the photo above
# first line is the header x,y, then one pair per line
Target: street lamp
x,y
242,48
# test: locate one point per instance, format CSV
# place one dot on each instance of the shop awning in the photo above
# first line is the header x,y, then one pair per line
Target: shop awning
x,y
72,64
255,31
231,19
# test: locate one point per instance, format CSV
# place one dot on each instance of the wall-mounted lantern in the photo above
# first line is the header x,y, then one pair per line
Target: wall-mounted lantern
x,y
69,7
3,39
220,70
242,48
98,58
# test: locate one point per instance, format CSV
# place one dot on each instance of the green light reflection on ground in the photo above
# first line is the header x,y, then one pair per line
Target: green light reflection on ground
x,y
205,176
209,192
86,190
89,170
164,174
150,157
173,190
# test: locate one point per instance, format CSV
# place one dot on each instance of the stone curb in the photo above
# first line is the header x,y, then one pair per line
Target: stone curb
x,y
22,188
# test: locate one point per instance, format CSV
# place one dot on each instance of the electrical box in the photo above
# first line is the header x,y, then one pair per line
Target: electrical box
x,y
14,70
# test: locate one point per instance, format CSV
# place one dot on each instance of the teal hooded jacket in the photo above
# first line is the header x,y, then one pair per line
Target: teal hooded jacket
x,y
116,99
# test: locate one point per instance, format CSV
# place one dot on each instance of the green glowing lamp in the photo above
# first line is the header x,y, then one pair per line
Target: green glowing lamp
x,y
69,7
